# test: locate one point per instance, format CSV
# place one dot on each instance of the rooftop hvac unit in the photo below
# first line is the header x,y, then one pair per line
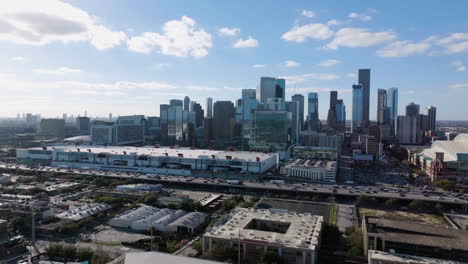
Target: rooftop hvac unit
x,y
180,155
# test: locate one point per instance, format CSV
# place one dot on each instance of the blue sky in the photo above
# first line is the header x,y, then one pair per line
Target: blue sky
x,y
127,57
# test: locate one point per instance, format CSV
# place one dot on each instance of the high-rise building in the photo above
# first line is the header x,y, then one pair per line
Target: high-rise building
x,y
83,124
412,109
300,99
244,114
209,107
186,103
270,87
382,109
409,130
364,80
176,102
199,113
102,133
340,109
331,117
52,128
431,112
270,130
313,122
292,107
223,123
392,104
357,115
129,130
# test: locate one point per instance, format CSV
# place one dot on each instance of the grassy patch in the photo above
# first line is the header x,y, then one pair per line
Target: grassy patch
x,y
333,213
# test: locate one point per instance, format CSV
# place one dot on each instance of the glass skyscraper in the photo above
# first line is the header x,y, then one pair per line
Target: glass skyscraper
x,y
358,94
364,80
313,122
270,130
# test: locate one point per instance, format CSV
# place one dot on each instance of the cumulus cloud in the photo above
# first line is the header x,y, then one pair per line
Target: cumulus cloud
x,y
459,66
359,37
351,75
334,22
454,43
259,65
57,71
294,79
309,31
225,31
362,17
200,88
400,49
459,86
329,63
180,38
307,13
292,64
246,43
43,22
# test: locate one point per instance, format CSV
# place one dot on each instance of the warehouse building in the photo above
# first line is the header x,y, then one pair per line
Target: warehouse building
x,y
83,211
410,238
139,187
309,169
165,220
176,161
294,236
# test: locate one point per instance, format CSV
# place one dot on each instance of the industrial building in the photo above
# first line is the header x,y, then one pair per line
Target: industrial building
x,y
176,161
294,236
165,220
139,187
309,169
411,238
83,211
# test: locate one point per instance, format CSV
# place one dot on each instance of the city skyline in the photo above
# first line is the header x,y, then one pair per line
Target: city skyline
x,y
105,63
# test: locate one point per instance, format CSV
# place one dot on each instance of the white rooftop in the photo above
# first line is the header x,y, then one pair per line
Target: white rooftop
x,y
162,151
303,231
409,259
451,149
83,211
158,257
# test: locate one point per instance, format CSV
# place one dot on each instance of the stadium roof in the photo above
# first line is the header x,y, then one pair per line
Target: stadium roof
x,y
456,150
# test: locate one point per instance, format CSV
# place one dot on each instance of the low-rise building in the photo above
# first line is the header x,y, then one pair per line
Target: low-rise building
x,y
380,257
294,236
411,238
308,169
83,211
188,223
139,187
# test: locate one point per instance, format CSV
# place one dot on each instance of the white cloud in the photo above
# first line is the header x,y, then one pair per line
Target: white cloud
x,y
461,68
18,59
246,43
329,63
180,38
232,88
160,66
312,31
400,49
292,64
459,86
225,31
457,47
359,37
452,38
294,79
351,75
307,13
259,65
457,63
94,92
334,22
57,71
200,88
454,43
362,17
43,22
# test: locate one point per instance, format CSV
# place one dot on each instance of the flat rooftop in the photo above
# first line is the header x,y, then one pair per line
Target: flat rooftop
x,y
418,233
407,259
158,257
164,151
309,163
278,227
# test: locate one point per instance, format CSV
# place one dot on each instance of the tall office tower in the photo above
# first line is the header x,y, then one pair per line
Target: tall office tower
x,y
186,103
199,113
340,109
431,112
331,117
176,102
313,122
244,115
110,116
129,130
275,104
83,124
364,79
392,103
85,113
300,99
292,108
357,118
223,123
270,88
209,107
412,109
409,130
102,132
64,117
52,128
280,89
382,109
270,132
